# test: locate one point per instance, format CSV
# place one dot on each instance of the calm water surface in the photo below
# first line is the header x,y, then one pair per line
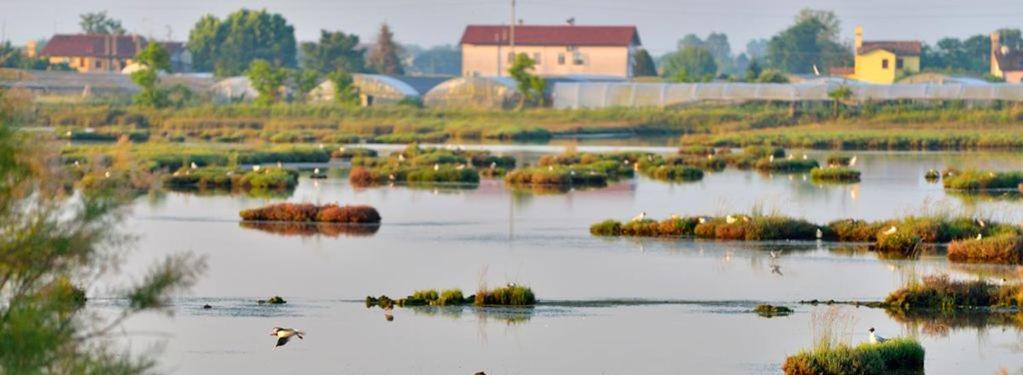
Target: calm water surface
x,y
596,315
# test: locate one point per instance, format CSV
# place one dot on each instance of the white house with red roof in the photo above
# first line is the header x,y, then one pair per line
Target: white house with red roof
x,y
559,50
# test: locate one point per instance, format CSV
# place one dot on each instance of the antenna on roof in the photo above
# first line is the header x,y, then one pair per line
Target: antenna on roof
x,y
570,21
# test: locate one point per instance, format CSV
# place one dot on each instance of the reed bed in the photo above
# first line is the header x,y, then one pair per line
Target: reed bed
x,y
974,180
835,174
943,293
1004,248
306,212
732,227
231,178
509,295
901,355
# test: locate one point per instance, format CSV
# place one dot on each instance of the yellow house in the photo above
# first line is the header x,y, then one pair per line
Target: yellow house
x,y
884,62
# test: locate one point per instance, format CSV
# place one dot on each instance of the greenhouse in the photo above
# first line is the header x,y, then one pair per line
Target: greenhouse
x,y
374,89
473,92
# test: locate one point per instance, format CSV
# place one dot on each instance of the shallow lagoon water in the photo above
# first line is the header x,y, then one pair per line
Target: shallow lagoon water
x,y
589,321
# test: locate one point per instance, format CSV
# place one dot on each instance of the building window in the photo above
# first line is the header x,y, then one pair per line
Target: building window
x,y
578,58
561,59
884,64
898,63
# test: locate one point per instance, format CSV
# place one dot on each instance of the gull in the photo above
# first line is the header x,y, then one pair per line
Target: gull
x,y
770,158
436,167
979,236
981,222
255,168
730,219
391,177
316,170
805,157
493,164
852,162
550,168
401,157
776,254
820,234
76,164
640,217
106,174
875,338
285,334
776,269
460,167
703,220
891,230
626,161
194,166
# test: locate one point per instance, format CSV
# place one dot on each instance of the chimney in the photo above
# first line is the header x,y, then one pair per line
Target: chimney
x,y
859,39
996,46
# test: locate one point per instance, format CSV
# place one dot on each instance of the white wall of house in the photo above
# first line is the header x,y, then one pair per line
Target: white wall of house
x,y
491,61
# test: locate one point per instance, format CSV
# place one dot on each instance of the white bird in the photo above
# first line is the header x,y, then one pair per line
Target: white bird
x,y
979,236
316,170
816,72
255,168
550,168
626,161
640,217
76,163
571,172
194,166
285,334
460,167
106,174
675,217
493,164
820,234
730,219
401,157
342,148
790,157
321,146
280,165
981,222
875,338
436,167
391,177
770,158
852,162
805,157
891,230
776,254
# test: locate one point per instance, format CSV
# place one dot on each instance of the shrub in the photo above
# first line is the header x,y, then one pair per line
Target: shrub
x,y
675,173
352,152
1003,249
835,174
607,227
509,295
306,212
839,160
894,356
902,242
360,176
942,293
786,165
772,311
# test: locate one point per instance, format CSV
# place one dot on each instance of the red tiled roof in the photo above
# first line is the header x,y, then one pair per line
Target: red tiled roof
x,y
554,35
93,45
905,48
841,70
1009,62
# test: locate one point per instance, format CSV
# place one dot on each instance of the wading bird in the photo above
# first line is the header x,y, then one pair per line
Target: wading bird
x,y
285,334
891,230
981,222
852,162
640,217
875,338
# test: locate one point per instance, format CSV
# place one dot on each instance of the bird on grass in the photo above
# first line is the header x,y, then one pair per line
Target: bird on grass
x,y
875,338
805,157
852,162
255,168
316,170
640,217
106,174
280,165
401,157
770,158
891,230
820,234
980,236
703,220
436,167
981,222
730,219
194,166
550,168
285,334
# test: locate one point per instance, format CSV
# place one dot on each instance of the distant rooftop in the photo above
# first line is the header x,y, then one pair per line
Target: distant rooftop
x,y
552,35
905,48
1009,60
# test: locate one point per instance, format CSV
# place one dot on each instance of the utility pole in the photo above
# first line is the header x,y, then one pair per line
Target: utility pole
x,y
511,38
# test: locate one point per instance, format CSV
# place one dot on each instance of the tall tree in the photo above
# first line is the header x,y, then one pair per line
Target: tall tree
x,y
716,44
267,79
808,43
99,23
228,47
643,65
531,87
756,49
384,57
691,64
152,59
335,50
51,241
828,19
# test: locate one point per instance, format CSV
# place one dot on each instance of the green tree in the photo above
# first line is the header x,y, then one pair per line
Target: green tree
x,y
828,19
267,80
806,44
335,50
13,57
345,91
753,71
151,60
532,88
384,57
772,76
51,241
643,65
228,47
691,64
305,80
99,23
442,60
838,95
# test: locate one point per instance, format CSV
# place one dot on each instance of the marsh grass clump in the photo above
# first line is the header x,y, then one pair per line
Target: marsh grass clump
x,y
508,295
674,173
306,212
974,180
733,227
786,165
838,160
932,175
557,176
942,293
311,229
426,166
835,174
1004,248
904,242
353,152
275,300
901,355
770,311
231,178
929,229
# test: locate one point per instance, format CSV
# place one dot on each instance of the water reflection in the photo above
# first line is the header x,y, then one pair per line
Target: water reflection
x,y
942,323
312,229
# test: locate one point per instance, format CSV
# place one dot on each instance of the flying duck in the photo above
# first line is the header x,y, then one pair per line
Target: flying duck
x,y
285,334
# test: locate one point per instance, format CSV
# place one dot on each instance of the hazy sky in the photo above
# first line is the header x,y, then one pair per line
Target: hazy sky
x,y
432,22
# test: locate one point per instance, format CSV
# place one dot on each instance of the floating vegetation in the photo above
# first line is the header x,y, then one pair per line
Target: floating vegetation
x,y
770,311
731,227
232,178
942,293
836,160
901,355
974,180
835,174
438,174
275,300
312,229
353,152
1004,248
906,234
416,165
786,165
307,212
509,295
932,175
